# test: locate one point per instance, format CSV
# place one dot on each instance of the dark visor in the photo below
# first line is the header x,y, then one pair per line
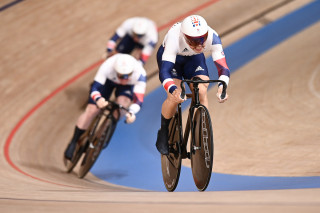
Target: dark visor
x,y
196,41
125,76
138,35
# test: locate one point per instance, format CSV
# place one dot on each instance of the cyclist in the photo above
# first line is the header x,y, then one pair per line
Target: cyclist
x,y
181,56
138,33
121,73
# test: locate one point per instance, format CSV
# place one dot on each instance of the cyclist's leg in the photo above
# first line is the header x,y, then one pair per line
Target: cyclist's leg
x,y
169,106
126,45
82,124
124,97
137,51
125,102
87,116
92,109
72,144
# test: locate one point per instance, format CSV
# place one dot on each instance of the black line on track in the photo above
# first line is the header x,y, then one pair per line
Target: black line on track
x,y
10,5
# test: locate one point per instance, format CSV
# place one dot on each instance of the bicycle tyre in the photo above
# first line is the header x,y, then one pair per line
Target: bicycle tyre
x,y
101,136
171,164
202,150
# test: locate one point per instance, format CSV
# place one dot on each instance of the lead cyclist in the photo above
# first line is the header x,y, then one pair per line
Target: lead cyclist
x,y
181,56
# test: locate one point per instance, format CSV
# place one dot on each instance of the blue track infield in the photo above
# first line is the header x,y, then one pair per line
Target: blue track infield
x,y
132,159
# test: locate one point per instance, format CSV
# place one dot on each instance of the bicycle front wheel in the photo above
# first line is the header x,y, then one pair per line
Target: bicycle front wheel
x,y
171,164
100,137
202,148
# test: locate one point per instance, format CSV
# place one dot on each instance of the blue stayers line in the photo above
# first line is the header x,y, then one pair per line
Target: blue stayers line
x,y
132,159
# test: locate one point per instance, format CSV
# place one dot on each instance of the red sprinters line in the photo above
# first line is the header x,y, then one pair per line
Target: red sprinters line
x,y
36,107
63,86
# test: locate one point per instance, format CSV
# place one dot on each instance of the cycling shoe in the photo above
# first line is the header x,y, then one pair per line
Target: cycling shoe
x,y
162,142
69,151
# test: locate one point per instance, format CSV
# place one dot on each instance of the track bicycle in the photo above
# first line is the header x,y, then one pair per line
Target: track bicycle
x,y
201,150
95,138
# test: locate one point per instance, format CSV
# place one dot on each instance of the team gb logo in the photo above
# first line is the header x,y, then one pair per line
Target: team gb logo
x,y
195,21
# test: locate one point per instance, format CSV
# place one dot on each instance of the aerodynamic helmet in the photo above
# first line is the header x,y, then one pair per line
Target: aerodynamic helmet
x,y
124,65
140,27
195,30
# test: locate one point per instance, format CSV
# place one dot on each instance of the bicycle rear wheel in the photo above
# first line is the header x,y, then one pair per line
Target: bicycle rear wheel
x,y
171,164
202,150
101,136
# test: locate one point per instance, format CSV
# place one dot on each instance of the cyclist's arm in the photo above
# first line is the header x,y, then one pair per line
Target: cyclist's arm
x,y
149,42
104,71
112,43
165,76
120,32
95,93
138,94
221,64
147,51
219,59
168,61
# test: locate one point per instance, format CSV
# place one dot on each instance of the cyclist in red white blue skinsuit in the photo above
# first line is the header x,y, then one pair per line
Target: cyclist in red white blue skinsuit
x,y
134,33
121,73
181,56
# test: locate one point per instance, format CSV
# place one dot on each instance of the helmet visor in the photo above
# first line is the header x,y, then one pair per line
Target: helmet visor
x,y
124,76
137,35
196,41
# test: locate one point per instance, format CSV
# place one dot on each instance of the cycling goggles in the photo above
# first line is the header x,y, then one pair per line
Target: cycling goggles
x,y
196,41
124,76
138,35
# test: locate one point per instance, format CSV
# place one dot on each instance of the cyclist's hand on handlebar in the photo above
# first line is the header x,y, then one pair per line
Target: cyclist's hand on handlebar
x,y
101,103
176,96
130,117
219,95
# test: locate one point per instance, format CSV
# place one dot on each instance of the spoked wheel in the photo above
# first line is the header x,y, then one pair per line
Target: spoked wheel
x,y
202,148
80,148
171,164
101,136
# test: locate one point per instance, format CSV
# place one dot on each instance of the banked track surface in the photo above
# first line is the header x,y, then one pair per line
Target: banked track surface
x,y
37,146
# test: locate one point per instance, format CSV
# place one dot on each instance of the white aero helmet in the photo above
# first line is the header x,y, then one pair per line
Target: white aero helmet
x,y
124,65
140,26
195,30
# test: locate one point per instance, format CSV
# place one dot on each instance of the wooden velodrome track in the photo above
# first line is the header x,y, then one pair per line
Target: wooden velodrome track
x,y
268,127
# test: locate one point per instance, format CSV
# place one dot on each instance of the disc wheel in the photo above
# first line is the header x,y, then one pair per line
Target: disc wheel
x,y
171,164
101,136
202,148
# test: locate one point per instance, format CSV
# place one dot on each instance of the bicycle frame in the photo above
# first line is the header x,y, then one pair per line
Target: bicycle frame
x,y
195,103
201,141
107,112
